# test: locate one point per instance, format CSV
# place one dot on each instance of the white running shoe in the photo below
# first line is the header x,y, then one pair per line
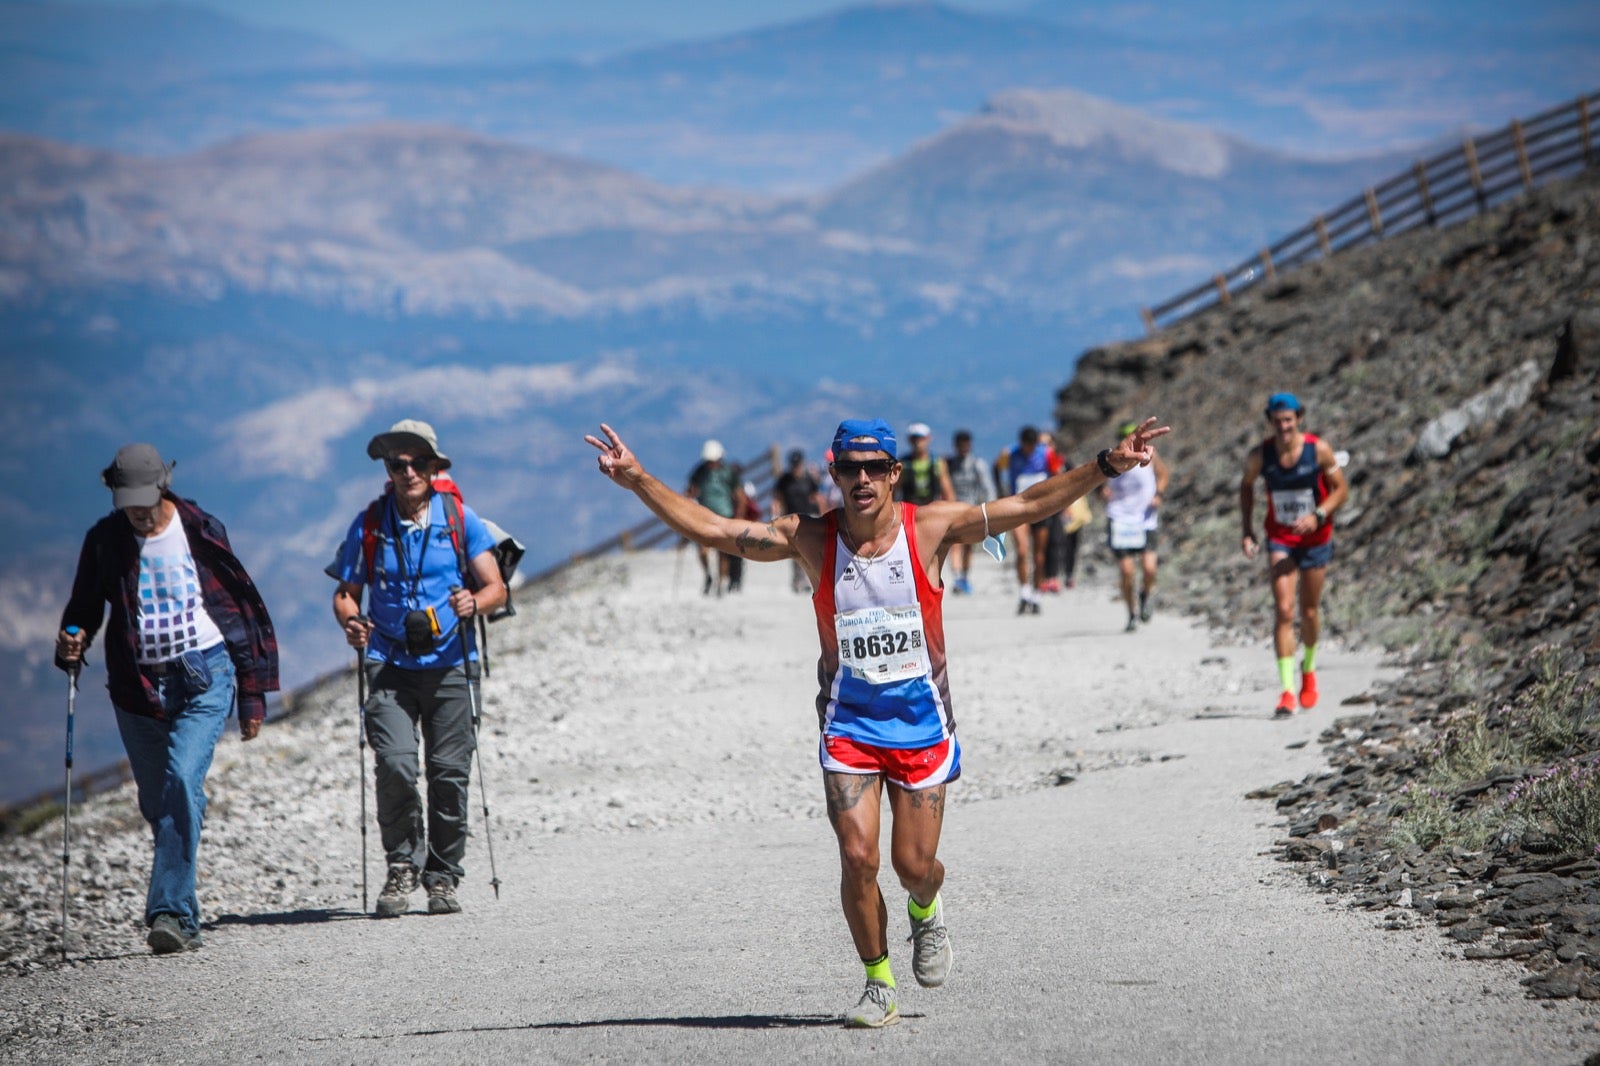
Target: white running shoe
x,y
875,1009
930,947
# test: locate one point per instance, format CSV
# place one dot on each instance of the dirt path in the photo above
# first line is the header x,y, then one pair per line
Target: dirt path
x,y
670,882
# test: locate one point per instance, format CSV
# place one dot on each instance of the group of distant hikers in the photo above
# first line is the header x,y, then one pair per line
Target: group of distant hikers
x,y
189,638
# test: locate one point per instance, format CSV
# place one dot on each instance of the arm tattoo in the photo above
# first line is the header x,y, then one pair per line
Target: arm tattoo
x,y
742,541
845,791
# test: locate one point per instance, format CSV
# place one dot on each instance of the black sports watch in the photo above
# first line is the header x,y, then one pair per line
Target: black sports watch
x,y
1103,461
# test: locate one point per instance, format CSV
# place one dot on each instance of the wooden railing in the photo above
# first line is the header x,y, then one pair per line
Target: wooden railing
x,y
1453,185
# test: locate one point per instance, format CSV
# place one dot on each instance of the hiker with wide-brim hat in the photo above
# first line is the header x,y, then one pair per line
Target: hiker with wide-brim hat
x,y
427,567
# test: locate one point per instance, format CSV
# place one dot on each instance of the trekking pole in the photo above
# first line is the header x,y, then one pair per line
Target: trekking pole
x,y
361,756
66,820
475,696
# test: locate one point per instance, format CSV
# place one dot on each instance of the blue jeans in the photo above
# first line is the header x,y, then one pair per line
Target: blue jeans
x,y
170,759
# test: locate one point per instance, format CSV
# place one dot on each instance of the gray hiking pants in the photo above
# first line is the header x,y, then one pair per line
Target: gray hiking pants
x,y
434,706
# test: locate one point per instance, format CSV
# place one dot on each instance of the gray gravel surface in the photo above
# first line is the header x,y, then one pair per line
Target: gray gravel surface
x,y
670,882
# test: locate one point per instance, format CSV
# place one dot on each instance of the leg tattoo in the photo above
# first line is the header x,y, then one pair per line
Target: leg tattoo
x,y
845,791
930,798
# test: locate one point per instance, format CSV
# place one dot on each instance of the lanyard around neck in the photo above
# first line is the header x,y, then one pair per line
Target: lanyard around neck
x,y
399,543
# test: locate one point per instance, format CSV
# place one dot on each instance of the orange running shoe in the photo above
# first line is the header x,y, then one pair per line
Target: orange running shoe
x,y
1308,690
1285,706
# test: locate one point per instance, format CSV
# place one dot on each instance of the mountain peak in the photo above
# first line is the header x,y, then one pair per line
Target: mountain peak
x,y
1074,119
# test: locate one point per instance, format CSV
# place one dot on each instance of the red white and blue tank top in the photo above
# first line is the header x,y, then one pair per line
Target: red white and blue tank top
x,y
881,674
1292,492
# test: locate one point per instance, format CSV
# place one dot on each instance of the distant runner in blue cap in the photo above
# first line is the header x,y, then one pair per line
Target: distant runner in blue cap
x,y
1305,486
884,701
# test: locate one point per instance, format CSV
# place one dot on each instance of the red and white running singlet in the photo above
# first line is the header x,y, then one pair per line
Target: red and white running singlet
x,y
881,624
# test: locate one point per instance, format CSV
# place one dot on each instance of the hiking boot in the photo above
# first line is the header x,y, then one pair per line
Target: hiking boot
x,y
930,947
1285,706
875,1009
442,898
1308,690
394,900
167,936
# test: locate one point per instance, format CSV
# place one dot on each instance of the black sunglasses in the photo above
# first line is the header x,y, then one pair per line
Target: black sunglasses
x,y
875,468
422,466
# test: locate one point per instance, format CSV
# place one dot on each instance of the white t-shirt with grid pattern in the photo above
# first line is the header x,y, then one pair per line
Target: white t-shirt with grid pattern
x,y
172,614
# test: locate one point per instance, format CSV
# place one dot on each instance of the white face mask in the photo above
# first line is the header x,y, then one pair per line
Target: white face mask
x,y
993,546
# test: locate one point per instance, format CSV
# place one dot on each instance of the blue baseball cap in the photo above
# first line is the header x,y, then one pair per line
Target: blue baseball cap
x,y
854,434
1283,401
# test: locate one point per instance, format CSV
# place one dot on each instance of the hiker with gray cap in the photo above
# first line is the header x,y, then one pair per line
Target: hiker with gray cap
x,y
429,566
188,638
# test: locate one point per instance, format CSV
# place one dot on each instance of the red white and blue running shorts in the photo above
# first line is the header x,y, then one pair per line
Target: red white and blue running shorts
x,y
910,768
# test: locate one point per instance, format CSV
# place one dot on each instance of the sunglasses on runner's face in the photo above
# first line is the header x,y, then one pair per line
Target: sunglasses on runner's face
x,y
875,468
421,466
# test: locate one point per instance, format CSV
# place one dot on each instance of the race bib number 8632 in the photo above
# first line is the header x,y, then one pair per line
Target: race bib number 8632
x,y
882,644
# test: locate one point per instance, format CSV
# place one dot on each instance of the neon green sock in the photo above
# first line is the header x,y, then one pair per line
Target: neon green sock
x,y
918,911
1310,664
878,970
1286,672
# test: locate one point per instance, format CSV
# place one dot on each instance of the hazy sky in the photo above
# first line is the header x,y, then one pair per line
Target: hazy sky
x,y
377,26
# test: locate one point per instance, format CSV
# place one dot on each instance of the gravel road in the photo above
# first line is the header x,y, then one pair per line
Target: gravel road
x,y
670,883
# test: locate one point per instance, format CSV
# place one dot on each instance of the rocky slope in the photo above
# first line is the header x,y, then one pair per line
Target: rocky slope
x,y
1461,371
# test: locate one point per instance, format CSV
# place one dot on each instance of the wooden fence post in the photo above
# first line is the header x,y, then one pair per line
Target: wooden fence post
x,y
1471,151
1522,154
1421,173
1401,204
1583,126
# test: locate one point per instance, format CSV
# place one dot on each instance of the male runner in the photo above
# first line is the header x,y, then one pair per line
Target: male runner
x,y
884,704
1304,488
1133,517
926,476
1029,463
969,477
